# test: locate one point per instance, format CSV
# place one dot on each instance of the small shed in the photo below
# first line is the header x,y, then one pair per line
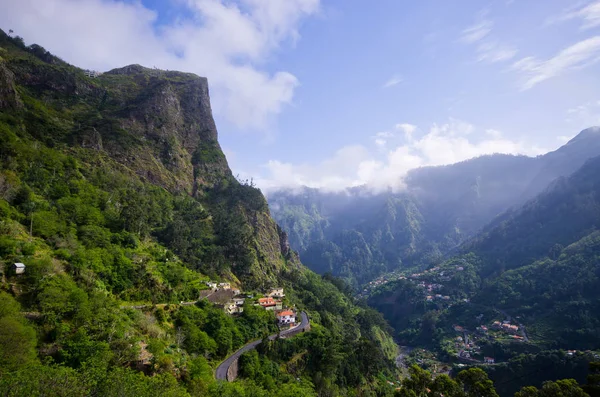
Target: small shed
x,y
19,268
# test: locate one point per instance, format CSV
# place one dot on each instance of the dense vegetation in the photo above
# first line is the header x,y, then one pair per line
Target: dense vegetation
x,y
538,265
115,194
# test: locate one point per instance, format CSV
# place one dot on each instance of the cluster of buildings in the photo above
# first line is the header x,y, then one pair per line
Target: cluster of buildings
x,y
232,301
286,317
430,298
222,295
505,326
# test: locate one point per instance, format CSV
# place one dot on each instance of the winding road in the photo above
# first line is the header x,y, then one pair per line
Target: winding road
x,y
221,372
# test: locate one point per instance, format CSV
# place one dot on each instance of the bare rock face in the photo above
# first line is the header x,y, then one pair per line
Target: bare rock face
x,y
9,97
170,114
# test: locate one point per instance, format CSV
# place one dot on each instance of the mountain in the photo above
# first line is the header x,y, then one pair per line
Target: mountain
x,y
117,198
358,234
541,261
566,212
536,266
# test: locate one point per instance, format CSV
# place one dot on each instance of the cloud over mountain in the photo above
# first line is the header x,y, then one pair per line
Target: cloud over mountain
x,y
227,41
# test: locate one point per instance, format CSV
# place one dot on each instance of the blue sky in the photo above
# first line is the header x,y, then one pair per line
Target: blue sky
x,y
334,93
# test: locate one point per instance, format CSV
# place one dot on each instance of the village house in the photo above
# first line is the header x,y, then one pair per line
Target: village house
x,y
232,308
236,291
483,329
429,298
496,324
212,285
276,293
239,301
19,268
224,285
513,329
269,303
489,360
286,317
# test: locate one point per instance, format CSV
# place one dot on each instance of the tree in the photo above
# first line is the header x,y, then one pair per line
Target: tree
x,y
445,386
475,383
560,388
593,380
417,384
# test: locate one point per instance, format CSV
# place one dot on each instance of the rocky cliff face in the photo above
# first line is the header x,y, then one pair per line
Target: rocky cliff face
x,y
9,97
158,126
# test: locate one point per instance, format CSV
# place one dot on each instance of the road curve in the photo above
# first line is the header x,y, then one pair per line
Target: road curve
x,y
221,372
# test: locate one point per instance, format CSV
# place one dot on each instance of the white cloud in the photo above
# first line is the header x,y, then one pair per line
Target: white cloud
x,y
394,80
407,129
334,173
382,139
226,41
495,52
488,50
585,115
589,14
493,133
577,56
443,144
477,32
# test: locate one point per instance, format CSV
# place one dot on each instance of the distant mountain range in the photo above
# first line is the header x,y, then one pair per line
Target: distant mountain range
x,y
357,234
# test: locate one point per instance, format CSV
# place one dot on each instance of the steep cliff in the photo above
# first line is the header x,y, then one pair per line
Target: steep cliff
x,y
156,126
115,193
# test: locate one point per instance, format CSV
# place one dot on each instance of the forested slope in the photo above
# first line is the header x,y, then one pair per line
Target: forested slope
x,y
115,193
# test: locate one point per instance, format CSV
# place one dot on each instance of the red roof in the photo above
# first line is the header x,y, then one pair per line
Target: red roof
x,y
266,301
285,313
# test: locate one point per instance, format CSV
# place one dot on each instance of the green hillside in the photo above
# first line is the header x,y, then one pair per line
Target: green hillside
x,y
535,268
116,196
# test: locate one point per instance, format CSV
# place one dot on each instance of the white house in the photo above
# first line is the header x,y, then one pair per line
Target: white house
x,y
19,268
231,308
239,301
276,293
224,285
286,317
212,285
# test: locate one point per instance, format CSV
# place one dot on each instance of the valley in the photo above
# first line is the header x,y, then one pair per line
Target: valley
x,y
502,290
134,263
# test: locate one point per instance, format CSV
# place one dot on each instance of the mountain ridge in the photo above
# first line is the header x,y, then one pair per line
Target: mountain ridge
x,y
449,204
